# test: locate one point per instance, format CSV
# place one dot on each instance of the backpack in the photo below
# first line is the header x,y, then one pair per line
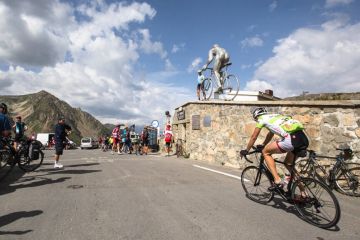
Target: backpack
x,y
34,150
168,137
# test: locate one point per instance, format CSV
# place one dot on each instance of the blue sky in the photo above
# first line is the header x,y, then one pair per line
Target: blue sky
x,y
141,57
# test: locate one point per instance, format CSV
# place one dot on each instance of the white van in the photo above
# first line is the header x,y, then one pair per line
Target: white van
x,y
45,138
89,143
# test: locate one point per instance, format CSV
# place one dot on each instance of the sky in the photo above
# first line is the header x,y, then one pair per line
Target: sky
x,y
130,61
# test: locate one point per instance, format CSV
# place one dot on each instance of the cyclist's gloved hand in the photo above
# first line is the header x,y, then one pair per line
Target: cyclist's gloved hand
x,y
244,152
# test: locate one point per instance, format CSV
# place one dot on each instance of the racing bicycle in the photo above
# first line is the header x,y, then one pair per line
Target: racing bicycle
x,y
313,199
343,176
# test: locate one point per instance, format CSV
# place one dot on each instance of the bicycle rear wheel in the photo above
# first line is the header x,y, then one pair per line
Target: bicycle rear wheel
x,y
231,87
256,184
28,165
207,88
320,207
7,163
347,182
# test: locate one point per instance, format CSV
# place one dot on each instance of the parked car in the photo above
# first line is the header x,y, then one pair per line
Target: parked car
x,y
89,143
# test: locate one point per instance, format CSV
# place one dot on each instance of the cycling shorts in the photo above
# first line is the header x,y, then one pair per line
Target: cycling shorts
x,y
293,142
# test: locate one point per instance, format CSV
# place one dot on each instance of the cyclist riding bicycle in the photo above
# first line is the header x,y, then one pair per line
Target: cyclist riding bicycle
x,y
292,139
221,57
5,127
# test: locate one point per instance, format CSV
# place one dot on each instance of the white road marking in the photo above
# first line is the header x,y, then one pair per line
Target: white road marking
x,y
223,173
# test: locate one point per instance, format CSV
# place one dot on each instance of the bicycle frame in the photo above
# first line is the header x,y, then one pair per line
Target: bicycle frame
x,y
264,169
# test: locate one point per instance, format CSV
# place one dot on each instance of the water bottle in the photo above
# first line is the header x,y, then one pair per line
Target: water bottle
x,y
286,181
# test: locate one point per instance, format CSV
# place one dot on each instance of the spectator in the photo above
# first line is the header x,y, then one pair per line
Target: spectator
x,y
145,140
200,85
19,129
168,139
61,130
5,127
128,140
116,139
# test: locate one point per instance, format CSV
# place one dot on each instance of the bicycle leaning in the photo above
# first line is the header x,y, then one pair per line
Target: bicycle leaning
x,y
179,149
230,84
28,156
343,176
313,200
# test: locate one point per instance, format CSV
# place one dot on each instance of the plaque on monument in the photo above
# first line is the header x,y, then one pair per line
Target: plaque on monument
x,y
195,119
207,121
181,115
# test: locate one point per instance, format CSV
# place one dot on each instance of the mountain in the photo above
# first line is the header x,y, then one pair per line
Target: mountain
x,y
40,111
326,96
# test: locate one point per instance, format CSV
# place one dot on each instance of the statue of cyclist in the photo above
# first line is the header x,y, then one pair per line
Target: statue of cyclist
x,y
220,57
292,139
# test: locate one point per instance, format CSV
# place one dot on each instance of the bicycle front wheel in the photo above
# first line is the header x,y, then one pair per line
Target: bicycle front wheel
x,y
28,165
316,203
256,184
347,182
231,87
207,88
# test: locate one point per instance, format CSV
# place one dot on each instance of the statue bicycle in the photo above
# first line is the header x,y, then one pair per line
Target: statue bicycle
x,y
230,85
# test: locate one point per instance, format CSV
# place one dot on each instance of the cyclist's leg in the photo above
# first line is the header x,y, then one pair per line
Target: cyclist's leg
x,y
270,149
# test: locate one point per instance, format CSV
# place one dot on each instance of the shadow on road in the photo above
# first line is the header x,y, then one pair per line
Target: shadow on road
x,y
17,180
280,203
12,217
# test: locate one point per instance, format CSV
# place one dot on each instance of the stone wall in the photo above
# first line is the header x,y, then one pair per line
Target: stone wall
x,y
229,126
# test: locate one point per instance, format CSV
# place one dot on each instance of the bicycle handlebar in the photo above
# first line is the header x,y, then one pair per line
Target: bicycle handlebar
x,y
257,149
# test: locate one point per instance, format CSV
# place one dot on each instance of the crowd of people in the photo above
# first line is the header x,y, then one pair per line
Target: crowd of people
x,y
125,140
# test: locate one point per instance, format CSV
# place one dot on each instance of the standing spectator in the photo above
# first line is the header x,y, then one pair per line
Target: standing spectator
x,y
145,139
168,139
61,130
200,85
128,140
19,129
116,139
5,127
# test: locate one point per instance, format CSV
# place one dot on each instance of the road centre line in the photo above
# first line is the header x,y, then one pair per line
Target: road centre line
x,y
215,171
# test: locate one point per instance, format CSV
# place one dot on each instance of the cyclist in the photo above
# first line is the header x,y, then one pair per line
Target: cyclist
x,y
220,57
5,127
19,128
292,139
168,138
116,139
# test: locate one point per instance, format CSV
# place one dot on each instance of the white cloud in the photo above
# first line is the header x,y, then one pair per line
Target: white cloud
x,y
315,60
151,47
257,85
272,6
252,42
104,50
194,66
177,47
333,3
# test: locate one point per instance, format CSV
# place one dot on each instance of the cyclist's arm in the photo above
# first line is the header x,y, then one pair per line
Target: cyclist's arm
x,y
268,138
210,58
253,138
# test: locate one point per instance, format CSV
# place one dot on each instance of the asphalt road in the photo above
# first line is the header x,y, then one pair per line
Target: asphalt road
x,y
102,196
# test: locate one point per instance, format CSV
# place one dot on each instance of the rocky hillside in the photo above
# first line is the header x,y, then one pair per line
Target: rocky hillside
x,y
41,110
326,96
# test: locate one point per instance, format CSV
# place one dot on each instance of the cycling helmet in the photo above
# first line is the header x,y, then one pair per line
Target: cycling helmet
x,y
259,111
4,107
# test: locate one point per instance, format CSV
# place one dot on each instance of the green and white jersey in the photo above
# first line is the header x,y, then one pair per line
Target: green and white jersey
x,y
279,124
